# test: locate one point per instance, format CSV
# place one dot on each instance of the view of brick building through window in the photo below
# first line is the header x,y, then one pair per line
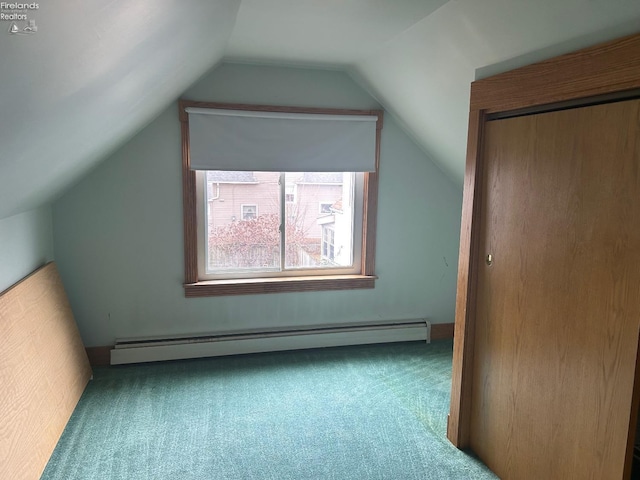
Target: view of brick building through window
x,y
243,220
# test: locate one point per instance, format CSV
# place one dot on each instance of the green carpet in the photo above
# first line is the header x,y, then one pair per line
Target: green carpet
x,y
367,412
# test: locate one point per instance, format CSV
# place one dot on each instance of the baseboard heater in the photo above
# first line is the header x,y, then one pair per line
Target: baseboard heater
x,y
175,348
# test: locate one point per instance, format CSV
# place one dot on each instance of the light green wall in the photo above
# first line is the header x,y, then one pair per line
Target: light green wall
x,y
26,243
118,233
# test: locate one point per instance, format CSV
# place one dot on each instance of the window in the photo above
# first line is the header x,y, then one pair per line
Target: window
x,y
328,243
249,212
290,192
262,244
296,230
325,207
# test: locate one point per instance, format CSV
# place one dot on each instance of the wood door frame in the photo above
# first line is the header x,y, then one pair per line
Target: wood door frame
x,y
605,69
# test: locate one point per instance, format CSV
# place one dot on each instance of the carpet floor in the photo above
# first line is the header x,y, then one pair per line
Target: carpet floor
x,y
365,412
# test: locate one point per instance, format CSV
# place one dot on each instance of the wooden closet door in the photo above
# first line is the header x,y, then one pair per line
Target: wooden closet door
x,y
558,309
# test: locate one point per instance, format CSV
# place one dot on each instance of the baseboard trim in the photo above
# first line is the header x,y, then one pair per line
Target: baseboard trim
x,y
250,341
99,356
441,331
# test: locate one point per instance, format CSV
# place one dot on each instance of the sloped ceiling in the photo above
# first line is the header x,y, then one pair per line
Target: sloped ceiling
x,y
321,32
96,72
93,74
423,75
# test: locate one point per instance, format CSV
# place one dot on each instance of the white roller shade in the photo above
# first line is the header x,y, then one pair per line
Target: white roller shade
x,y
281,142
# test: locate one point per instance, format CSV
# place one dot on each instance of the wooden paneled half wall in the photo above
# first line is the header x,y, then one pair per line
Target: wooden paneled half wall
x,y
43,372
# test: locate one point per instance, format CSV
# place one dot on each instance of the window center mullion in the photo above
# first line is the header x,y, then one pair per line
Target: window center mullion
x,y
283,222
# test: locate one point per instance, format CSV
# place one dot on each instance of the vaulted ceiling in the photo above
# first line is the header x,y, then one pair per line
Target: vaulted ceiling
x,y
97,72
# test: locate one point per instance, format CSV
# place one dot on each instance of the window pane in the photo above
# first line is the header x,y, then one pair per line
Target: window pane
x,y
243,218
319,223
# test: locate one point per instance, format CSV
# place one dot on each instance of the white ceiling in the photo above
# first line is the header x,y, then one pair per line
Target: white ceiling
x,y
321,32
91,77
96,72
423,75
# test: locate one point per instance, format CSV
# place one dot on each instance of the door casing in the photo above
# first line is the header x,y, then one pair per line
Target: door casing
x,y
609,69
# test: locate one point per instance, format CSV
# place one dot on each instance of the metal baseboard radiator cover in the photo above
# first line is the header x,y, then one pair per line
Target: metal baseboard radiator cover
x,y
271,340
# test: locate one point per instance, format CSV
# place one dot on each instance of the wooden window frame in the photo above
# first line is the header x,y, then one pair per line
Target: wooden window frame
x,y
193,287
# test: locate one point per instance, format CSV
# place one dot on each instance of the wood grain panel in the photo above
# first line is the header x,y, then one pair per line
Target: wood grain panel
x,y
633,418
278,285
276,108
43,372
99,356
442,331
370,209
458,420
556,328
610,67
189,211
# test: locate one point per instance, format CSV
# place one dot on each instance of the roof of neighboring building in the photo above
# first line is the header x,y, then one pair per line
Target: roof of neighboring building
x,y
221,176
321,177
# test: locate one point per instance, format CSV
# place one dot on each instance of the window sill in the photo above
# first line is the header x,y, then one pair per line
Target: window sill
x,y
213,288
